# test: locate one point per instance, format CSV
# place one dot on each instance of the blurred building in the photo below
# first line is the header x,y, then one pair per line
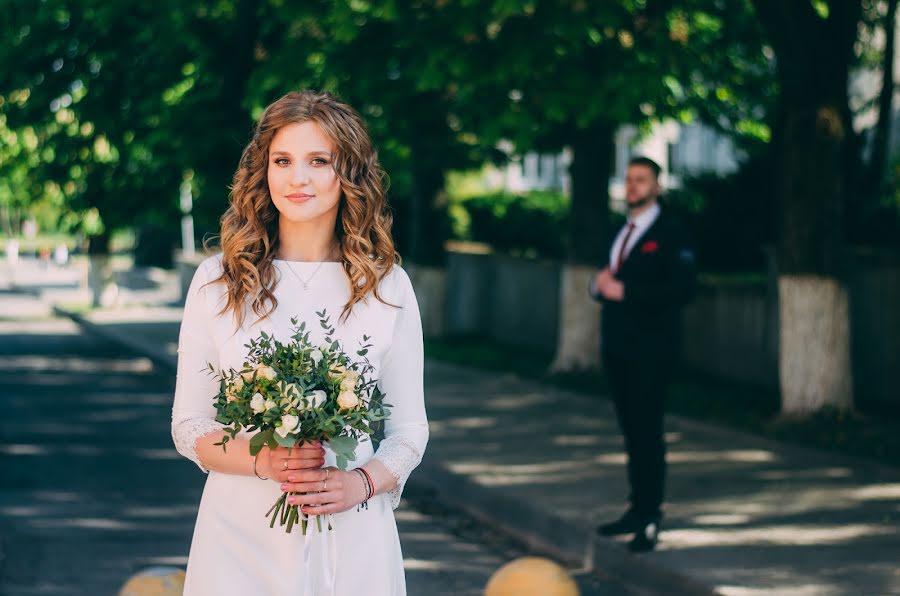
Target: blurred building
x,y
681,150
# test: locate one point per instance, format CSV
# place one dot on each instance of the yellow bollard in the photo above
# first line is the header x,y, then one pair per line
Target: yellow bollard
x,y
155,581
531,576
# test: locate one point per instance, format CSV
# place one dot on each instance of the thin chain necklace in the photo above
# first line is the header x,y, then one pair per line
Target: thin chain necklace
x,y
304,282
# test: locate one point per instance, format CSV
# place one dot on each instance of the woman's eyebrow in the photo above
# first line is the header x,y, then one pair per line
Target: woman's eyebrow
x,y
313,152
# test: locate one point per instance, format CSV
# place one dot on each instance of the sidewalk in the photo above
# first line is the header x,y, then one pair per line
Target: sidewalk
x,y
745,515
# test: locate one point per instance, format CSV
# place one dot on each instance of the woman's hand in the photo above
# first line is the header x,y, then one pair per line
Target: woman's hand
x,y
281,463
329,490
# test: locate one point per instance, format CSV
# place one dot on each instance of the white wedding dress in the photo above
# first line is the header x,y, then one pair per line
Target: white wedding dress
x,y
234,552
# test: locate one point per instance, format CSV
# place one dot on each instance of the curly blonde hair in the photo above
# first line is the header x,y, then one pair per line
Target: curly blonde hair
x,y
249,234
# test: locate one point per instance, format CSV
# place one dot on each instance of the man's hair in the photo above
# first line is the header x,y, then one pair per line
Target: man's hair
x,y
645,161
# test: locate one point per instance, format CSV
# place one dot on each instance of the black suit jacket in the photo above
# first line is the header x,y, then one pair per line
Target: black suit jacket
x,y
659,279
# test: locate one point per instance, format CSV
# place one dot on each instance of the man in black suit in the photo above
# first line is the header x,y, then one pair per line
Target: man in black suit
x,y
648,278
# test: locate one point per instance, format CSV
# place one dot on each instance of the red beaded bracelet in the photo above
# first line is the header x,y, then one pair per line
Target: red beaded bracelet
x,y
371,484
362,474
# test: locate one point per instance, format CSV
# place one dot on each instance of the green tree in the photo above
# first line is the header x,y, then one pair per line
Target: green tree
x,y
550,74
84,80
129,99
372,55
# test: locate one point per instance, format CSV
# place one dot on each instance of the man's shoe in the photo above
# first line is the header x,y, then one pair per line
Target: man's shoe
x,y
628,523
645,538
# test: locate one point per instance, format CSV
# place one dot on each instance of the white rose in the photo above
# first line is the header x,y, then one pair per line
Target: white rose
x,y
247,375
317,398
351,378
347,400
270,404
258,403
316,356
290,390
264,372
288,425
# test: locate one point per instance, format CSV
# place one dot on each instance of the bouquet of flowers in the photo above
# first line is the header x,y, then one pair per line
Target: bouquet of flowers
x,y
298,392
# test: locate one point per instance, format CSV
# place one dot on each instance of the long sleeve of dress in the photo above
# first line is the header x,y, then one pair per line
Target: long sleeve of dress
x,y
401,378
193,413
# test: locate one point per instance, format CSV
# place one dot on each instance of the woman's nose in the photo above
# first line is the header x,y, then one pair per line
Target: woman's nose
x,y
300,175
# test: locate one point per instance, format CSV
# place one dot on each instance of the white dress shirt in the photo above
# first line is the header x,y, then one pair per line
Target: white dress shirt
x,y
641,224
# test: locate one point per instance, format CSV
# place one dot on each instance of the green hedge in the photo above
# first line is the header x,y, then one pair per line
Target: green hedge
x,y
534,224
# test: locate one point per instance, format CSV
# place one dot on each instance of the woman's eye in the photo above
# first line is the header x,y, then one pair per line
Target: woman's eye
x,y
282,161
319,161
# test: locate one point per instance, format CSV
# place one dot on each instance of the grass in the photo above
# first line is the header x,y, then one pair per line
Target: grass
x,y
745,407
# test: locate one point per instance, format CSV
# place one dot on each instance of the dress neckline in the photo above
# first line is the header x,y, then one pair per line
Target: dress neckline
x,y
309,262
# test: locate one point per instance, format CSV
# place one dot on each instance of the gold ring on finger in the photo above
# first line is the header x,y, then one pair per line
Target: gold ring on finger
x,y
327,473
324,485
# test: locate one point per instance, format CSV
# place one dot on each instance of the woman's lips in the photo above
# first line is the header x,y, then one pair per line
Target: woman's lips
x,y
299,197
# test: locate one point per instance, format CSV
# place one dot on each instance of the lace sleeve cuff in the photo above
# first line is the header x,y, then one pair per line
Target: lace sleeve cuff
x,y
186,432
400,456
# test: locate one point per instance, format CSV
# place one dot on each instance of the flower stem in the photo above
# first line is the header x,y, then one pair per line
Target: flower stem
x,y
278,505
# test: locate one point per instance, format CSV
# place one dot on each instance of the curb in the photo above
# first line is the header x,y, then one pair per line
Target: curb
x,y
569,541
159,357
515,517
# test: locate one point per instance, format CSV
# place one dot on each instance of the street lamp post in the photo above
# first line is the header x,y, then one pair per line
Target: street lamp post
x,y
187,220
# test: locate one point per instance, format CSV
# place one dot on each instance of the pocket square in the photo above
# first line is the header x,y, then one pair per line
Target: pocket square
x,y
649,247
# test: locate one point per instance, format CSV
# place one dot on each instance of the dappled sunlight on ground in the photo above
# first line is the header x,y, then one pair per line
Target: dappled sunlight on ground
x,y
742,514
84,366
786,534
797,474
736,456
804,590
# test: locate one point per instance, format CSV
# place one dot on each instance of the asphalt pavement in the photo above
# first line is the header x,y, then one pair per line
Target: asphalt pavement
x,y
93,490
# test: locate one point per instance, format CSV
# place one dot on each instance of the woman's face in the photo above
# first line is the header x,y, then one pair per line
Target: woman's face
x,y
302,181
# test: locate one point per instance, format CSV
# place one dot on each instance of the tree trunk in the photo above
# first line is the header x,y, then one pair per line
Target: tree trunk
x,y
578,338
593,150
813,57
814,335
814,348
428,226
885,104
578,333
104,291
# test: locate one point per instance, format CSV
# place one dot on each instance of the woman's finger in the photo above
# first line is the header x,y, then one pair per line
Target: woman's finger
x,y
322,509
295,463
320,486
311,475
316,498
315,453
302,487
286,451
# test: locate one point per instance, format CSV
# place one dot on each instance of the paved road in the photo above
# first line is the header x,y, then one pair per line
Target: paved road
x,y
93,491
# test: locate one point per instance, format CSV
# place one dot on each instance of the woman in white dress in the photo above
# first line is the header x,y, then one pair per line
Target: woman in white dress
x,y
307,229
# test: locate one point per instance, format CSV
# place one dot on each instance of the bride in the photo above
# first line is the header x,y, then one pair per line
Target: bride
x,y
307,229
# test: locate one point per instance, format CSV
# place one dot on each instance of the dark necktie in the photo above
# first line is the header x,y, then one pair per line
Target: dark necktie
x,y
621,258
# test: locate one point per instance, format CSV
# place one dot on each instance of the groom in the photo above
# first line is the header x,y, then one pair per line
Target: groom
x,y
648,278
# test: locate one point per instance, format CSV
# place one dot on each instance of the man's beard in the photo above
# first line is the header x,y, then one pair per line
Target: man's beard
x,y
641,202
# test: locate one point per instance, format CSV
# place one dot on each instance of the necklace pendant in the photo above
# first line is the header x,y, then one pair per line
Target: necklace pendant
x,y
305,286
